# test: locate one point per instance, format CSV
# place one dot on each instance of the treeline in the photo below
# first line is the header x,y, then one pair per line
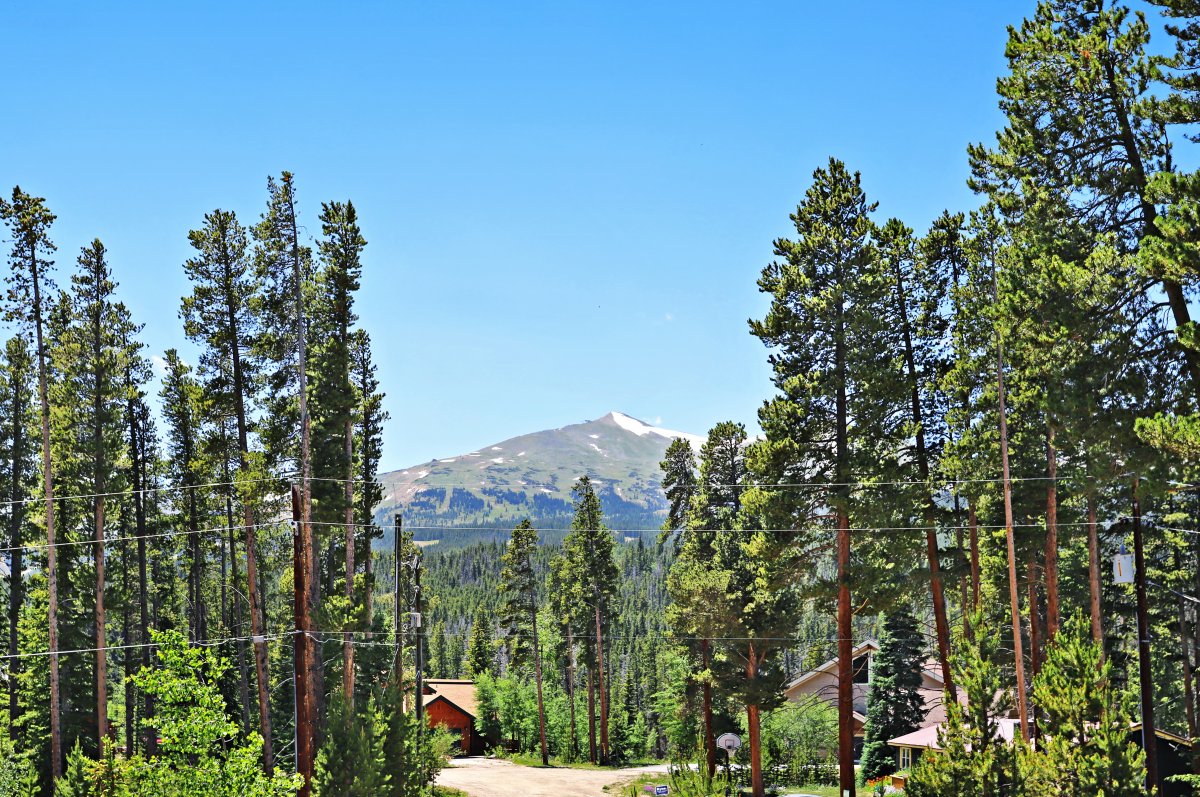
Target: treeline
x,y
976,409
122,521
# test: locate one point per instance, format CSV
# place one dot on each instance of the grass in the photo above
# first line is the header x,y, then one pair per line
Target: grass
x,y
636,787
446,791
535,760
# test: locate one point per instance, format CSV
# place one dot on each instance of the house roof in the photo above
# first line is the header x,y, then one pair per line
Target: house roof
x,y
931,667
927,738
457,692
831,665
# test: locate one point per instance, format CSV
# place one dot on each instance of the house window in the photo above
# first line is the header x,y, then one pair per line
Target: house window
x,y
862,669
905,757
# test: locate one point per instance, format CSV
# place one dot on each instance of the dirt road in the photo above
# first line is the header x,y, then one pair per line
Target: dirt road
x,y
484,777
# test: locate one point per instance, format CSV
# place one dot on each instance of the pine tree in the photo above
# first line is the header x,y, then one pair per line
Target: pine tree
x,y
480,653
91,353
334,400
219,315
679,484
835,419
18,470
29,221
895,705
285,305
1084,746
590,576
351,760
184,412
919,294
518,583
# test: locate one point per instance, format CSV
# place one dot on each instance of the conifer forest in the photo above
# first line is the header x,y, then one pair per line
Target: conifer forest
x,y
979,451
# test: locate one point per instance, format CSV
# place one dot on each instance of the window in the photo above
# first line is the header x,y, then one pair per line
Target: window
x,y
905,757
862,669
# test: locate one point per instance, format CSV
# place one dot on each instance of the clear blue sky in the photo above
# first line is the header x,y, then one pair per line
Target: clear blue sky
x,y
567,203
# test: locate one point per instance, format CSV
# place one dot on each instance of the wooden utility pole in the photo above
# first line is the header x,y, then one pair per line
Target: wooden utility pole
x,y
398,664
1013,593
304,729
1145,676
419,663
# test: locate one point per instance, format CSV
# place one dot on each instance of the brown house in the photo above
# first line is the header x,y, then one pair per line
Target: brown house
x,y
821,683
450,703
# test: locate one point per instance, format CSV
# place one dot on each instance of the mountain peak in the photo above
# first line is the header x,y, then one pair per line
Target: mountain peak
x,y
641,428
532,475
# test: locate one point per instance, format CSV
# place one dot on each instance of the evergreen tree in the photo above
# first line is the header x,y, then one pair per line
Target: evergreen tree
x,y
220,316
334,399
480,652
835,420
18,473
518,583
590,577
28,220
351,760
895,705
679,484
285,306
1084,746
90,355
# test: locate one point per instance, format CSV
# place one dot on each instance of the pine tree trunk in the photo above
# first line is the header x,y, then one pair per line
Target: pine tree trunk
x,y
537,674
101,640
1035,664
56,755
1189,696
126,656
603,692
571,692
846,774
257,611
16,575
845,646
138,470
238,620
710,742
1094,575
591,716
941,623
348,642
753,727
1051,566
973,531
307,541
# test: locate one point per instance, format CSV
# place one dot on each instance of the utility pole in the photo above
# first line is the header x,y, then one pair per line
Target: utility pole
x,y
1149,740
1010,540
420,658
398,664
304,735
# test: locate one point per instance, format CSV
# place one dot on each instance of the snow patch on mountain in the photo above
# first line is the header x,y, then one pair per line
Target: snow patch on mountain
x,y
640,428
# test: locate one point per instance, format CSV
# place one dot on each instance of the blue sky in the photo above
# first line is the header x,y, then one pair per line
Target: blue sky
x,y
567,204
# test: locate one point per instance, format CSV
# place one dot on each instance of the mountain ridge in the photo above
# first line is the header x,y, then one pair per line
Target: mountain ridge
x,y
483,493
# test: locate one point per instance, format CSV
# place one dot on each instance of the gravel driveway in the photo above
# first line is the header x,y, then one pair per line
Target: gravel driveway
x,y
489,777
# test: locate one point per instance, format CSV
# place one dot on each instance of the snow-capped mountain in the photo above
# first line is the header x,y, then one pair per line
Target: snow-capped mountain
x,y
483,493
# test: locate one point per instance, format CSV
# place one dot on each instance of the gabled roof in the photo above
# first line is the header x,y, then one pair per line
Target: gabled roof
x,y
831,665
458,693
927,738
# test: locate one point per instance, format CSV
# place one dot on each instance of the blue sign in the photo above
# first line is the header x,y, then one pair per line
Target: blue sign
x,y
661,791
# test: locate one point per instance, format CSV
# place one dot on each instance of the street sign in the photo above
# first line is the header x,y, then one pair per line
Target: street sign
x,y
729,742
